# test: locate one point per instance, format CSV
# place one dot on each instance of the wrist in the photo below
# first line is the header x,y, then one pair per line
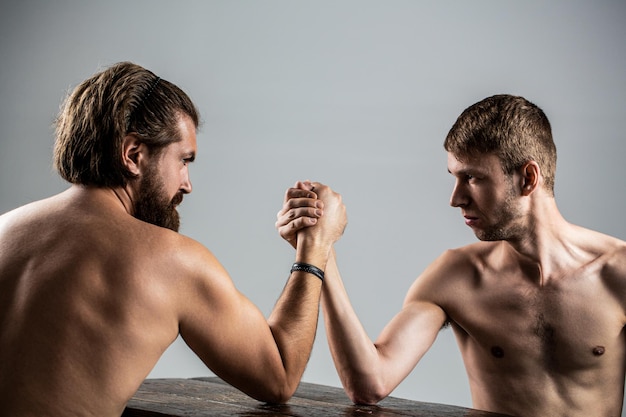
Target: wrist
x,y
312,240
309,269
313,252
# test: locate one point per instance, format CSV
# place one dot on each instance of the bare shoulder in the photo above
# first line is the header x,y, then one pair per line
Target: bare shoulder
x,y
452,271
22,227
616,253
78,235
180,260
198,284
25,213
611,259
605,251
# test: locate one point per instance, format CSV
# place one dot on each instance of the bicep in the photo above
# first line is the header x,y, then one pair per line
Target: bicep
x,y
408,336
224,328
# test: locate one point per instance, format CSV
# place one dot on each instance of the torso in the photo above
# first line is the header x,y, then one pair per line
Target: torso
x,y
555,348
85,310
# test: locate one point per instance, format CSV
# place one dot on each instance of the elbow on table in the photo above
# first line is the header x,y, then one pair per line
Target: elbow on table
x,y
278,393
367,399
370,395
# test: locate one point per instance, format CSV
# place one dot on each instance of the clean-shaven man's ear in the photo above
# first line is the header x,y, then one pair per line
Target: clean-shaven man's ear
x,y
531,176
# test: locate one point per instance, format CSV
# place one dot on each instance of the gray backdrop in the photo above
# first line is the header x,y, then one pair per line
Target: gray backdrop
x,y
357,94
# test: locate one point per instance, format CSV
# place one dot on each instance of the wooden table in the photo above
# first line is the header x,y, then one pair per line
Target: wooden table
x,y
213,397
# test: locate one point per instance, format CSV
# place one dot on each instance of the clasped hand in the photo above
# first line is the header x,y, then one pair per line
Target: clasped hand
x,y
311,210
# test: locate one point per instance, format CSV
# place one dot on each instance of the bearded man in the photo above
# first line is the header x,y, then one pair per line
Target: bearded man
x,y
95,283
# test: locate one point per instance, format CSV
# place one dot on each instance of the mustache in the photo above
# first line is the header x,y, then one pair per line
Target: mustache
x,y
178,198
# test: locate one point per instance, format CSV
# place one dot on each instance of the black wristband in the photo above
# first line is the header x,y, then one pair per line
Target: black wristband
x,y
301,266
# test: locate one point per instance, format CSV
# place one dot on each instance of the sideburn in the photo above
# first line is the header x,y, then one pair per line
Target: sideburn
x,y
153,205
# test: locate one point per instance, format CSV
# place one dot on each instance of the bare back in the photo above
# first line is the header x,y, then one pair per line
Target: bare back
x,y
90,297
85,310
539,348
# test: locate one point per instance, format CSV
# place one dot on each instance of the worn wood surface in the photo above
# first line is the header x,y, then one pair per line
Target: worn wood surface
x,y
213,397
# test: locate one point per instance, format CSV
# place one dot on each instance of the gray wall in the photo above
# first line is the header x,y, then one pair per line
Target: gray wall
x,y
357,94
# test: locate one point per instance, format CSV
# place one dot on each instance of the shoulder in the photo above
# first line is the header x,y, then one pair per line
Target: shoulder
x,y
24,228
462,260
453,270
192,263
25,213
604,250
605,260
613,271
174,252
182,272
613,261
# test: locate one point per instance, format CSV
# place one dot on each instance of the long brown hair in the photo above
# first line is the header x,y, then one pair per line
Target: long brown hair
x,y
121,100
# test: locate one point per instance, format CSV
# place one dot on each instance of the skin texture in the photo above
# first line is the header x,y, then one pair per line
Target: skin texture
x,y
90,297
538,306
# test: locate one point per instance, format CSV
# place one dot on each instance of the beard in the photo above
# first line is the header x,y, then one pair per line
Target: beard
x,y
153,205
506,226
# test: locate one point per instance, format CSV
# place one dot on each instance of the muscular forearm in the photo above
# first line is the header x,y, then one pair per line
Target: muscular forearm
x,y
294,319
356,358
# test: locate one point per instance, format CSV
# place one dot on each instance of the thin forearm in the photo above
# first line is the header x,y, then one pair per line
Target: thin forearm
x,y
356,358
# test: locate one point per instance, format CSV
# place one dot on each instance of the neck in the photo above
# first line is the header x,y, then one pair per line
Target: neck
x,y
117,198
545,241
124,196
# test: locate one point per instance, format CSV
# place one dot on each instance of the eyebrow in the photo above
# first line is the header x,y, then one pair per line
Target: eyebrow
x,y
467,171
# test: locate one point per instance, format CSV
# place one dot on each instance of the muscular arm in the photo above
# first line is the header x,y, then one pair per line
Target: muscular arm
x,y
370,371
263,358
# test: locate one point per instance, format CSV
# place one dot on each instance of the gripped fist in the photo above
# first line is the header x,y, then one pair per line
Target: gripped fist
x,y
311,211
331,225
301,209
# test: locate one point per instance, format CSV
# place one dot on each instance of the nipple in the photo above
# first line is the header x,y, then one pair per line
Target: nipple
x,y
598,350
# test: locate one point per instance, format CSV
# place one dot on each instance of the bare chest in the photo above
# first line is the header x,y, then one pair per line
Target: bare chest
x,y
575,324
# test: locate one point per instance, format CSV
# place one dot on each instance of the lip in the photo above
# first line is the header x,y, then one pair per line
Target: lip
x,y
470,220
